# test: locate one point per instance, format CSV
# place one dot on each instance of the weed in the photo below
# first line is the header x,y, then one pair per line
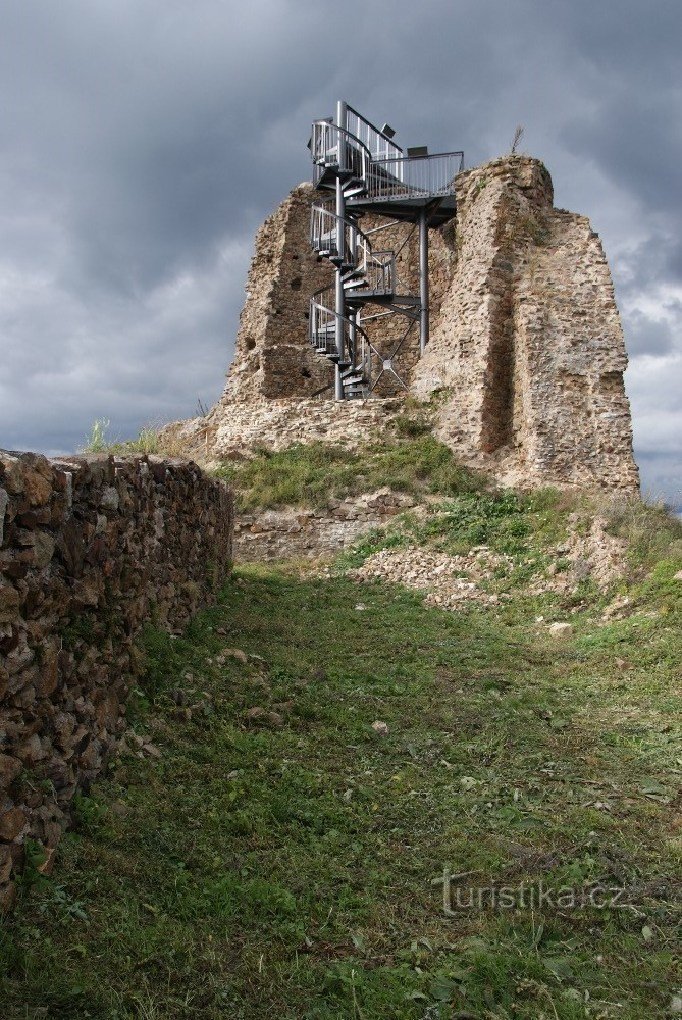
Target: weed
x,y
151,439
97,441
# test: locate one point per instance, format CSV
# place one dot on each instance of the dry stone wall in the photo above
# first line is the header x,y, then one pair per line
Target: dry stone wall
x,y
91,549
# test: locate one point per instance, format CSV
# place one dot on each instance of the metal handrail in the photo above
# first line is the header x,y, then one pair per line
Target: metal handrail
x,y
350,154
378,267
379,273
379,144
322,327
413,177
323,232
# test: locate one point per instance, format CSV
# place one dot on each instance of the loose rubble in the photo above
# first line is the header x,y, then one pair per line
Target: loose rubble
x,y
452,581
448,580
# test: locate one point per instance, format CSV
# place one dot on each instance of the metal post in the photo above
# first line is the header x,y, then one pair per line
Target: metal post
x,y
339,294
353,313
423,280
353,335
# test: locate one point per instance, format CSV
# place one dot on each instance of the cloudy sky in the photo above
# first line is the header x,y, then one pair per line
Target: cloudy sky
x,y
143,141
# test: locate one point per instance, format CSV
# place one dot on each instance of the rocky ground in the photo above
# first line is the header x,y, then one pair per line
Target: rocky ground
x,y
448,580
451,581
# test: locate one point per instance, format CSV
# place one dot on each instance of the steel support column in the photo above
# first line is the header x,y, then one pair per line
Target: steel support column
x,y
339,293
423,280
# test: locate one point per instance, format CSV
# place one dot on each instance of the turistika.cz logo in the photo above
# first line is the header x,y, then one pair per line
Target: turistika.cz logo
x,y
526,896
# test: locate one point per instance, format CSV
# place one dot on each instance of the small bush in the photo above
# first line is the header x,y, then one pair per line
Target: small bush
x,y
411,427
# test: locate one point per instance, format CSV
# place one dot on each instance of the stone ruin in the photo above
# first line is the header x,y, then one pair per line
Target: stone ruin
x,y
523,373
92,549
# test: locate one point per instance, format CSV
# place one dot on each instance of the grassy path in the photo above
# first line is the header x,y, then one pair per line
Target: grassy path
x,y
279,857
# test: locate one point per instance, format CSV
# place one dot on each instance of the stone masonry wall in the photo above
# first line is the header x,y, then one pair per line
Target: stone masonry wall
x,y
272,356
235,429
314,534
527,355
91,549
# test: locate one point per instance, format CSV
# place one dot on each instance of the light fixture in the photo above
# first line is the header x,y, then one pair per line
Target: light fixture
x,y
388,131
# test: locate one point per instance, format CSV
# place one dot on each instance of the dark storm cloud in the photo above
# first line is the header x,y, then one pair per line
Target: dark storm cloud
x,y
143,141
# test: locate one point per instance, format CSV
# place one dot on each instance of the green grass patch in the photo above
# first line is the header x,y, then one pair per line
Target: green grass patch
x,y
281,858
310,475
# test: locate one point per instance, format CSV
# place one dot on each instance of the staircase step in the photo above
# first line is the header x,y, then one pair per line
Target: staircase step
x,y
354,186
362,297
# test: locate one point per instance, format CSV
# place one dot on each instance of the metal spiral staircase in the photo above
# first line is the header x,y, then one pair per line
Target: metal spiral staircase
x,y
368,173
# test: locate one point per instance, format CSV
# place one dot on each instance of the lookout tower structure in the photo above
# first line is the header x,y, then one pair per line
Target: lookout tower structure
x,y
362,171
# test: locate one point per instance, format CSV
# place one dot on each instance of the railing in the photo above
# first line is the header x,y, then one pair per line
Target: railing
x,y
322,325
379,146
376,269
322,331
332,146
413,177
379,272
323,231
386,177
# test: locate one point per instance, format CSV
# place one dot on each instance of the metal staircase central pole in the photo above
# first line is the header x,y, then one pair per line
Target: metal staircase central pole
x,y
423,280
340,297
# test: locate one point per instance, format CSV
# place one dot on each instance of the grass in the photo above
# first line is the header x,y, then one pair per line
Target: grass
x,y
528,528
312,474
281,858
149,440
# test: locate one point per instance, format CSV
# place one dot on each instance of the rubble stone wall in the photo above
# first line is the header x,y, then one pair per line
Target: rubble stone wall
x,y
91,549
527,355
235,429
296,533
272,355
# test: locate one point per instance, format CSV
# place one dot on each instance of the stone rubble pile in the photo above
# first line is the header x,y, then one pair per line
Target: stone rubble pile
x,y
91,550
448,580
593,554
451,581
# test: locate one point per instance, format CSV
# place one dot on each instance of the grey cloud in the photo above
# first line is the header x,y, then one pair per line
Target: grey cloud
x,y
143,141
646,335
